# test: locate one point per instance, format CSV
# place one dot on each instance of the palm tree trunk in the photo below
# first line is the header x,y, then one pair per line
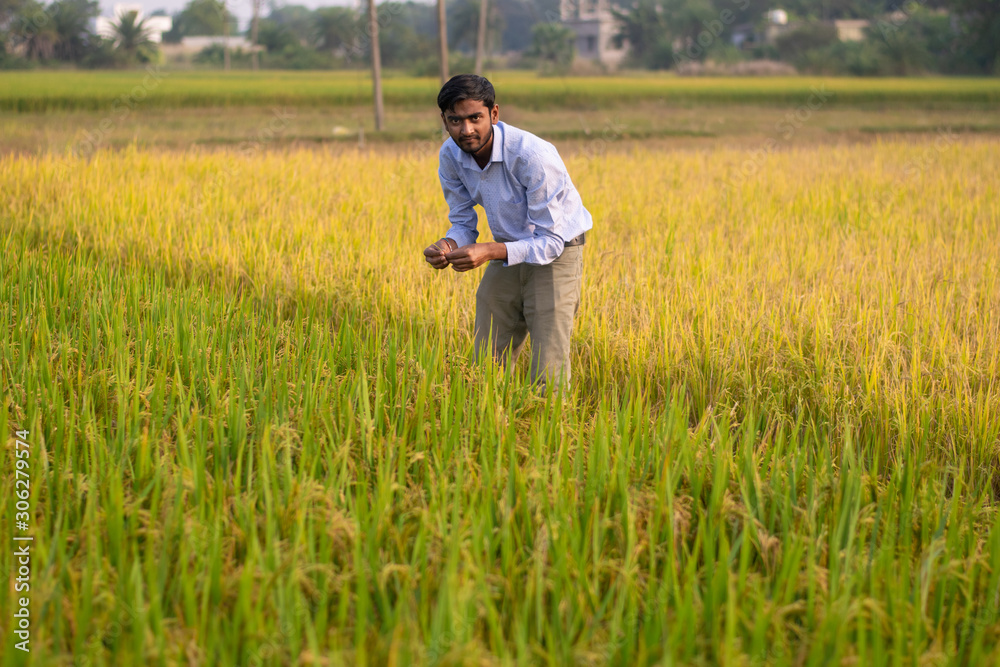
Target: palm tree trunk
x,y
225,35
443,41
376,65
481,36
254,26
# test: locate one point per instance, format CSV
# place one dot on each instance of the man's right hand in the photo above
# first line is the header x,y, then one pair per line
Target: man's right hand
x,y
435,253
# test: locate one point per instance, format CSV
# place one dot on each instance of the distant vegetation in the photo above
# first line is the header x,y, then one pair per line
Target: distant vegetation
x,y
49,91
901,37
913,37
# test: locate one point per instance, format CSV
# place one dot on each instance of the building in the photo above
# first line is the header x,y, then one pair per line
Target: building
x,y
774,24
595,28
851,30
197,44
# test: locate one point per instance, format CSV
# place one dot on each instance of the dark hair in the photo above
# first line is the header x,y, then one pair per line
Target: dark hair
x,y
466,87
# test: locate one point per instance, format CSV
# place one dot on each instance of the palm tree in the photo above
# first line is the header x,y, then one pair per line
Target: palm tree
x,y
34,35
376,66
443,40
71,19
134,37
254,34
481,36
225,37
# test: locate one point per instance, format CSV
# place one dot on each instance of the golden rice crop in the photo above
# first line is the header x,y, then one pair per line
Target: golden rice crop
x,y
262,430
858,284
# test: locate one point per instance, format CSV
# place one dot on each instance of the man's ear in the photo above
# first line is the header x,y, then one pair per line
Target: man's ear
x,y
495,114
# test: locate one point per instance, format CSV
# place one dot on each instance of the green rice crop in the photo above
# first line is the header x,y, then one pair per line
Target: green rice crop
x,y
258,437
49,91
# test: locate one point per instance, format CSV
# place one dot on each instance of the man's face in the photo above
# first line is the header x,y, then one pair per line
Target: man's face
x,y
468,123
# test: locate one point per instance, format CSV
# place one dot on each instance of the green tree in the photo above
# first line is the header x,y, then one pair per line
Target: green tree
x,y
794,45
643,27
199,17
133,38
917,42
297,19
979,34
553,46
401,44
276,37
463,24
33,32
520,16
659,32
9,9
71,21
336,29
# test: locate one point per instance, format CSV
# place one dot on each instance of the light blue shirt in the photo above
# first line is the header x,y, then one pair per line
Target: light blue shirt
x,y
531,204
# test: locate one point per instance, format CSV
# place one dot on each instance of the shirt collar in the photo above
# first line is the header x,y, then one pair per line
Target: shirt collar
x,y
469,162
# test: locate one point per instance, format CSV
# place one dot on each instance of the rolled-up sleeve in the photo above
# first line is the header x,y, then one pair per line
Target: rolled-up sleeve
x,y
464,220
544,248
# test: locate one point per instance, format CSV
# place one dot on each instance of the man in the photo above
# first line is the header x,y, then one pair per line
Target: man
x,y
532,283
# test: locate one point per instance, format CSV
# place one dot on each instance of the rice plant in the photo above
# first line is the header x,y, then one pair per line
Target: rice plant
x,y
259,437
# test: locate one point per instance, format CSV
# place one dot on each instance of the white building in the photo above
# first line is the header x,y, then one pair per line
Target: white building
x,y
849,30
157,24
234,42
595,28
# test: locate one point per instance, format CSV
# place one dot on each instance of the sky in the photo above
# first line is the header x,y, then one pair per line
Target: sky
x,y
243,9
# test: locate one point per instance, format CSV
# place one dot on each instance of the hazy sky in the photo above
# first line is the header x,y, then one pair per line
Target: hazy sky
x,y
243,9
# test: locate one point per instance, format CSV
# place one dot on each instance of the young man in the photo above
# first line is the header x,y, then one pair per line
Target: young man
x,y
532,283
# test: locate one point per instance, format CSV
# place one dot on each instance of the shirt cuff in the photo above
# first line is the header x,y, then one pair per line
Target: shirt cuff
x,y
517,251
461,236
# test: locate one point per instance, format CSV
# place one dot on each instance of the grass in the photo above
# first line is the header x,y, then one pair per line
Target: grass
x,y
257,437
252,129
33,92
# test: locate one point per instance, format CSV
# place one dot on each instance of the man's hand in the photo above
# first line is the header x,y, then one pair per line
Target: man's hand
x,y
436,253
474,255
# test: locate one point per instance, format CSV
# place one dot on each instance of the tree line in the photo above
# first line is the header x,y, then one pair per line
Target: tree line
x,y
902,36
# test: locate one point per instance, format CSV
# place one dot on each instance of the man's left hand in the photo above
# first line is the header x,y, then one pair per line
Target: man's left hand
x,y
475,255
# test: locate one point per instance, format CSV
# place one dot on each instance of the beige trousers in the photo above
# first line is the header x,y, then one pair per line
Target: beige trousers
x,y
515,301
